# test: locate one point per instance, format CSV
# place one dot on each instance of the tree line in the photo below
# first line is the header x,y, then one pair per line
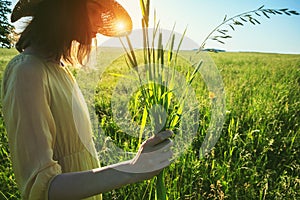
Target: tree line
x,y
7,31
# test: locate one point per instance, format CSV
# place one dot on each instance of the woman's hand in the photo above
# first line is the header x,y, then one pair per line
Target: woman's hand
x,y
153,155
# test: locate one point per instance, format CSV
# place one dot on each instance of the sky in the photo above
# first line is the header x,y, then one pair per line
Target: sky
x,y
279,34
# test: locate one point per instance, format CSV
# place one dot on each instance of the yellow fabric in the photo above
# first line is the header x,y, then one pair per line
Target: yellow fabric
x,y
41,102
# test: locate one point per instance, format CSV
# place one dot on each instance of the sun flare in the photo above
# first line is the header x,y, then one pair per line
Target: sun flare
x,y
120,26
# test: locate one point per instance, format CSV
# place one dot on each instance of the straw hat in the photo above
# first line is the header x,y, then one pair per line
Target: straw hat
x,y
112,15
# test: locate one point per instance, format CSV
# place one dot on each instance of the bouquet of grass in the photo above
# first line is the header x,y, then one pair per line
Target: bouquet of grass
x,y
155,98
161,100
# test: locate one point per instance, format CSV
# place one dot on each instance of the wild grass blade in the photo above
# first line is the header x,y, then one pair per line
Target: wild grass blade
x,y
133,56
143,124
128,54
179,45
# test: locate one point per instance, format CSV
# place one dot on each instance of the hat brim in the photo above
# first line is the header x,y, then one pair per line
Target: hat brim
x,y
115,20
23,8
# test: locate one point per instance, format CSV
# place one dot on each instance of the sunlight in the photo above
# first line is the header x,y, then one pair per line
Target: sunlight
x,y
120,26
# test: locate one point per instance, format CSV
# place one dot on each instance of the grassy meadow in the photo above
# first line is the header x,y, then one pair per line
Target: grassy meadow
x,y
256,155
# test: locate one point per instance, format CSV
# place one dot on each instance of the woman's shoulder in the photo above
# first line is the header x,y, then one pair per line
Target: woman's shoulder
x,y
24,68
25,64
27,61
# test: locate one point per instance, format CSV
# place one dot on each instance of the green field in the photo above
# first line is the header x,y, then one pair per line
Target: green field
x,y
256,155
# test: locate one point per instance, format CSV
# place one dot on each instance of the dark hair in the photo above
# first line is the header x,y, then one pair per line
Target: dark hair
x,y
55,26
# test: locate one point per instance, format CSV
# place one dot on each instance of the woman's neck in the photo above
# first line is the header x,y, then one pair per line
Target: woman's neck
x,y
42,54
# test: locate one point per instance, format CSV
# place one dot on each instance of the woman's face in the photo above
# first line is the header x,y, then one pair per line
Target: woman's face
x,y
94,12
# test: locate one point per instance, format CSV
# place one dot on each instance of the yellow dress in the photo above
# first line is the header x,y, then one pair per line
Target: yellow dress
x,y
41,105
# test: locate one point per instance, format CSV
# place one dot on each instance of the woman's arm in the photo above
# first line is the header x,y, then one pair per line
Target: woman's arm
x,y
153,155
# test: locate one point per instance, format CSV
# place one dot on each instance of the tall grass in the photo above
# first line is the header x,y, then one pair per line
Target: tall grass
x,y
8,188
256,156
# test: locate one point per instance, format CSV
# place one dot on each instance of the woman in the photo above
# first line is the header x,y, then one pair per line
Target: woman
x,y
50,159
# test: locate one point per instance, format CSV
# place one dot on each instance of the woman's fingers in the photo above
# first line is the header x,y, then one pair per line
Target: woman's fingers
x,y
158,138
154,154
161,147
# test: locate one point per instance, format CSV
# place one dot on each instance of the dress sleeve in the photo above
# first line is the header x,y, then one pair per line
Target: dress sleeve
x,y
30,127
